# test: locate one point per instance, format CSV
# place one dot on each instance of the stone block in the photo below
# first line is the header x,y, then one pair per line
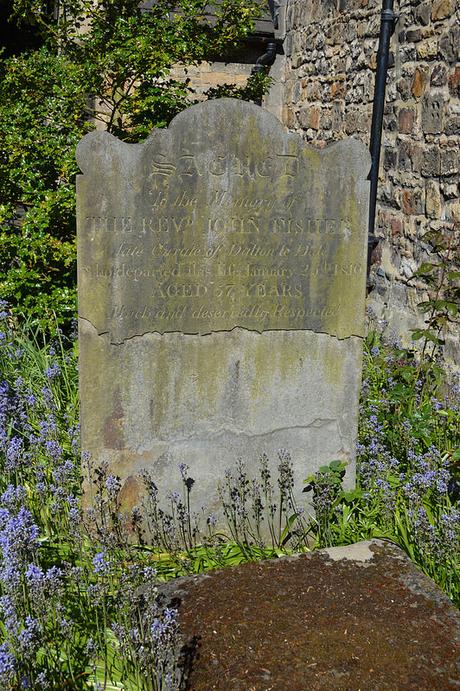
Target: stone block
x,y
419,83
405,152
431,164
449,161
222,270
454,82
438,75
396,227
427,49
423,13
442,9
413,35
390,157
412,202
450,190
357,121
337,90
403,88
356,617
337,116
452,125
326,120
453,211
433,113
449,44
406,118
309,117
433,200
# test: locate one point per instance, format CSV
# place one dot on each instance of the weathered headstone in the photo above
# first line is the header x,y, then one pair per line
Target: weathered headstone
x,y
221,269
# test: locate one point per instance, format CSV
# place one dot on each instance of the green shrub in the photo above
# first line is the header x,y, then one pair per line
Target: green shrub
x,y
107,62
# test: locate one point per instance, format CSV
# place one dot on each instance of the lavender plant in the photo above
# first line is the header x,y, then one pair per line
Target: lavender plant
x,y
70,611
408,451
254,510
255,520
79,604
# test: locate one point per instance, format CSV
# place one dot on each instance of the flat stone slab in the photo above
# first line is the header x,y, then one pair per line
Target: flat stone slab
x,y
357,617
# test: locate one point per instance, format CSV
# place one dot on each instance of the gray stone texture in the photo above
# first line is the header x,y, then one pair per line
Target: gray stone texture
x,y
333,57
221,269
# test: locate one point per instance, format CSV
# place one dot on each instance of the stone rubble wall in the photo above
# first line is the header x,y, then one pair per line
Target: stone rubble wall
x,y
208,75
330,59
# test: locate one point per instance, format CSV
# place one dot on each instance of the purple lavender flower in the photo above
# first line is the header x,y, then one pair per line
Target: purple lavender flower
x,y
64,473
212,520
19,535
14,452
157,629
285,473
174,497
4,313
113,486
52,371
188,481
74,516
10,615
48,428
34,575
7,665
90,647
13,497
30,399
183,469
450,527
101,564
53,450
29,637
42,681
47,396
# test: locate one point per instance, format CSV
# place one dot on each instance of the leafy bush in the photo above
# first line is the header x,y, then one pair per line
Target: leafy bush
x,y
441,276
107,62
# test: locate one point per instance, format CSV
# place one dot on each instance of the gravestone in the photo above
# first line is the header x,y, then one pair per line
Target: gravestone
x,y
221,279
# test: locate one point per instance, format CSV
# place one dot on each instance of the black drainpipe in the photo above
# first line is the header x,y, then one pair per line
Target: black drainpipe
x,y
387,26
266,59
264,62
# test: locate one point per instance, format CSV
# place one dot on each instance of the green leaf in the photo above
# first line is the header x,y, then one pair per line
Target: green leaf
x,y
425,269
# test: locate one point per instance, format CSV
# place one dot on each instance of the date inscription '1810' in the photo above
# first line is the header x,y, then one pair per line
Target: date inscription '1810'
x,y
246,273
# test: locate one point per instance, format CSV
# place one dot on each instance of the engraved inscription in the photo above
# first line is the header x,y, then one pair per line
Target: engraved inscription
x,y
201,233
251,272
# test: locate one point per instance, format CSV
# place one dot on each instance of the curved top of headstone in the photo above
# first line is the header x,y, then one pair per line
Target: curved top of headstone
x,y
226,116
222,220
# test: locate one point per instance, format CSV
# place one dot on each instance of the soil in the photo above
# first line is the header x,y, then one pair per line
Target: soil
x,y
312,622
